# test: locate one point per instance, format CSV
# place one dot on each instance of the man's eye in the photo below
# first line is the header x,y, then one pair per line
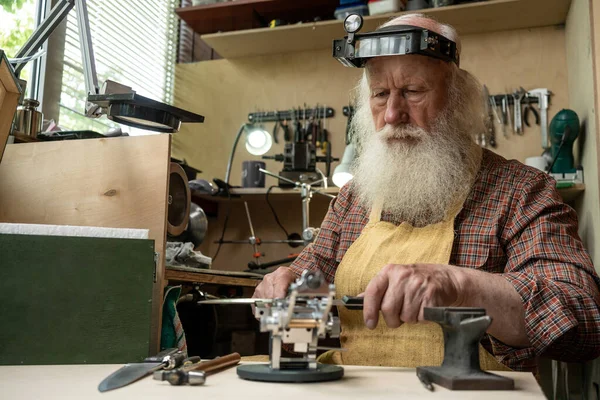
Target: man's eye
x,y
379,94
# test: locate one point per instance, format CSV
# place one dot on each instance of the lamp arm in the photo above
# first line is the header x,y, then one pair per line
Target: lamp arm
x,y
87,52
230,162
43,32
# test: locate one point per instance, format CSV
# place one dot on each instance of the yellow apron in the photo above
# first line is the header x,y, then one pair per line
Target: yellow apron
x,y
410,345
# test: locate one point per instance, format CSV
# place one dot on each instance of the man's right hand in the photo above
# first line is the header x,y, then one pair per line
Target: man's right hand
x,y
275,285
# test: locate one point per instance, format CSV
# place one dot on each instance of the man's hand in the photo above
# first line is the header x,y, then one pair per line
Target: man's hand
x,y
275,284
401,292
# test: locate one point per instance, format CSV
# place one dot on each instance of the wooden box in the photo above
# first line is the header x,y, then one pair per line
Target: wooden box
x,y
10,92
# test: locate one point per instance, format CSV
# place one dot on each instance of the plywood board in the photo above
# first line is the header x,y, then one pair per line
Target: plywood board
x,y
114,182
9,98
583,56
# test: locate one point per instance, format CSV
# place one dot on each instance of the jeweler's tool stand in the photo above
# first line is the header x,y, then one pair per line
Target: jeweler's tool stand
x,y
306,191
300,320
463,329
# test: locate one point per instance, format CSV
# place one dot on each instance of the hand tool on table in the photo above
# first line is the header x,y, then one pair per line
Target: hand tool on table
x,y
543,96
195,373
517,98
463,328
167,359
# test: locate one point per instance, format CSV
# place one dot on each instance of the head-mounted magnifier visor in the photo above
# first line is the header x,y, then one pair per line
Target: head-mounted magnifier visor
x,y
356,49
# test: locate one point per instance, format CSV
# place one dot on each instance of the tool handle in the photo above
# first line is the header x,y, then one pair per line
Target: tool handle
x,y
353,303
218,363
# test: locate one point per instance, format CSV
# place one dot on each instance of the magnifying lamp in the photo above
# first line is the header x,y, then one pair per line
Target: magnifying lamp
x,y
118,102
342,173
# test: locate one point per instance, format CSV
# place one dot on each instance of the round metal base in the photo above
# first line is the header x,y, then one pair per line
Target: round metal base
x,y
264,373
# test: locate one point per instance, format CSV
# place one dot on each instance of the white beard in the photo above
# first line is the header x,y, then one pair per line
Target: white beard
x,y
421,179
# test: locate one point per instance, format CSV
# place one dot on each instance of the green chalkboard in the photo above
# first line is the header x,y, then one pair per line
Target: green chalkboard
x,y
74,300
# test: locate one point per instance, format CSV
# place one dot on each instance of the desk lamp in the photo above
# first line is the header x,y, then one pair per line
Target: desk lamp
x,y
118,102
342,173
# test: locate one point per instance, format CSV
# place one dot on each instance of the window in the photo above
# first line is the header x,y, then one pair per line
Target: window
x,y
134,43
18,22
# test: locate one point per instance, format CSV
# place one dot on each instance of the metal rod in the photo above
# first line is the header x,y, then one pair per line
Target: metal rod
x,y
264,171
323,193
87,52
249,220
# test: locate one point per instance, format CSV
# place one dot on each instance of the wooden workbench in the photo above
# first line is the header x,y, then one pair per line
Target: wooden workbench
x,y
81,382
210,276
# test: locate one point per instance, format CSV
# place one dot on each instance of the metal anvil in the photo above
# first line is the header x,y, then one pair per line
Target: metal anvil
x,y
463,329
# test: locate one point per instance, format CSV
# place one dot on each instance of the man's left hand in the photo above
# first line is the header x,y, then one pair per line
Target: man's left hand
x,y
401,292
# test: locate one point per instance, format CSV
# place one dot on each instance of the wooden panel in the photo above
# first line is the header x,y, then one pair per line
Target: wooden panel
x,y
584,101
532,58
246,14
74,300
9,98
227,90
470,18
116,182
209,277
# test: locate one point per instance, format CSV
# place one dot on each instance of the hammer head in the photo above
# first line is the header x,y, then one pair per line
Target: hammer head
x,y
179,377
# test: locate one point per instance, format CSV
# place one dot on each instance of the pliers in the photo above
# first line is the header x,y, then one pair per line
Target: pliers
x,y
528,108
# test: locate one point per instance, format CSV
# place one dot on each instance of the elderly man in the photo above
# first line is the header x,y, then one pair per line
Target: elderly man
x,y
431,219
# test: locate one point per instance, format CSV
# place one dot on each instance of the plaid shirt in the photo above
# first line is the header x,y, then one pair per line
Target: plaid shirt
x,y
513,223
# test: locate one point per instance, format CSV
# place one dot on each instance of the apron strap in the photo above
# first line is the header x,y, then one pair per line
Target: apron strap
x,y
375,215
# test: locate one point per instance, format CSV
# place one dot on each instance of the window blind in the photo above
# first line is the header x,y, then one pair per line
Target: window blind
x,y
134,43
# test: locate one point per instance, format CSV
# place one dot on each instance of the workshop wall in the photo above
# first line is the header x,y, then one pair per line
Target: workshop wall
x,y
225,91
582,100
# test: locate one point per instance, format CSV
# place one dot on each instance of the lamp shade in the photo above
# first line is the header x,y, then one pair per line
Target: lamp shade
x,y
258,140
342,173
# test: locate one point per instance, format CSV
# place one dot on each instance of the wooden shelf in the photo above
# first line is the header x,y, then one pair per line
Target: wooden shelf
x,y
248,14
470,18
213,277
571,193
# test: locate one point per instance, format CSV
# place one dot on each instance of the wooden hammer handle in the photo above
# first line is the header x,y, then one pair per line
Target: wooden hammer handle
x,y
218,363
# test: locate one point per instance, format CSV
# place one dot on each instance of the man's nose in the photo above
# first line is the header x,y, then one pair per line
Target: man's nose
x,y
396,111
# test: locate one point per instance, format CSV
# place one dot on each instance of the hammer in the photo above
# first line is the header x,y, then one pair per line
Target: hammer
x,y
195,374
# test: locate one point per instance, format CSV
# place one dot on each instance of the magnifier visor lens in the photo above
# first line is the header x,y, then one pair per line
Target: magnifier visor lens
x,y
380,46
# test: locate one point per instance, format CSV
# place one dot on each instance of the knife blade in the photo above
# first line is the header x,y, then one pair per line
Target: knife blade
x,y
350,302
168,359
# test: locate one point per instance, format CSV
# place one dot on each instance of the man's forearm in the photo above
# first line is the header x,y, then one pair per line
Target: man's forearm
x,y
502,303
